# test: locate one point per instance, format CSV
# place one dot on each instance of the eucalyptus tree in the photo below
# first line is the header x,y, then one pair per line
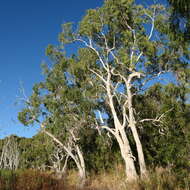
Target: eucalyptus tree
x,y
59,105
10,155
122,49
131,46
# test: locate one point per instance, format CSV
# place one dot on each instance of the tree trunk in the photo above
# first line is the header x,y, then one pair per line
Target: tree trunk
x,y
82,175
141,159
132,124
121,137
130,169
81,166
127,156
77,158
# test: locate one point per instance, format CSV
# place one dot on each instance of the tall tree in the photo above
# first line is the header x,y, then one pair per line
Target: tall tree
x,y
59,106
132,45
125,48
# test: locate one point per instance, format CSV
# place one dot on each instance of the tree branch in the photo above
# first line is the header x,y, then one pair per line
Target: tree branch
x,y
157,119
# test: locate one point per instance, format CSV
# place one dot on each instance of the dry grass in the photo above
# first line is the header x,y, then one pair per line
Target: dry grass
x,y
111,180
160,179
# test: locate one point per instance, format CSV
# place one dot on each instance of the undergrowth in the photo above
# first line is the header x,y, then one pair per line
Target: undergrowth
x,y
159,179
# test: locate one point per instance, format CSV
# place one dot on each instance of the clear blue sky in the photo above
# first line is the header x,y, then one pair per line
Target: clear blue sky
x,y
26,28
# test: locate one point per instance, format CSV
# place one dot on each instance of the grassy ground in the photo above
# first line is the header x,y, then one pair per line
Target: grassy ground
x,y
160,179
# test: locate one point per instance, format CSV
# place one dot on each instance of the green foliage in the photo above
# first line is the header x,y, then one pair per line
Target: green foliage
x,y
66,36
71,92
35,152
101,151
90,24
180,19
166,143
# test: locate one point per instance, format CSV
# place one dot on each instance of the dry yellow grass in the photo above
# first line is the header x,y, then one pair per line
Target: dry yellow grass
x,y
159,179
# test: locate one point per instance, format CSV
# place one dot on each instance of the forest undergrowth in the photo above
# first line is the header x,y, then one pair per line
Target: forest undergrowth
x,y
159,179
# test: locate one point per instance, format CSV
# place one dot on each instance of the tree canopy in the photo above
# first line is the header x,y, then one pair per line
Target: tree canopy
x,y
125,89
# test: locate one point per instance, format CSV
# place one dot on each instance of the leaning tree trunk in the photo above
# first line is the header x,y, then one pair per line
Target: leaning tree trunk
x,y
132,125
77,158
141,159
81,166
127,156
120,135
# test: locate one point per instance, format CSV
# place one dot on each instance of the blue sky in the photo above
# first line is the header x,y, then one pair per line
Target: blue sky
x,y
26,28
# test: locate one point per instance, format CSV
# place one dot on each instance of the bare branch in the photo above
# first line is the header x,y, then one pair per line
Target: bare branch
x,y
98,75
125,116
132,75
157,119
104,126
112,131
90,45
151,30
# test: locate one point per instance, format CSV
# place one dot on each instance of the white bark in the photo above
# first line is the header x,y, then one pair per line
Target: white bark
x,y
74,152
10,155
126,154
125,100
57,158
132,122
121,137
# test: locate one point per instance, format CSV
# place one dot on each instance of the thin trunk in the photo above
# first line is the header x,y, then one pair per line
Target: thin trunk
x,y
64,168
141,159
132,124
78,159
82,170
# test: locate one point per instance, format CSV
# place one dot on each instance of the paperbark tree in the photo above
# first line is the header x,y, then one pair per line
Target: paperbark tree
x,y
57,159
54,105
124,48
74,151
9,158
132,48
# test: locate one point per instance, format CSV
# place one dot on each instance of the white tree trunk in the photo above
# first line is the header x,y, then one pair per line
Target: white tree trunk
x,y
121,137
141,159
108,56
132,125
9,158
64,168
81,166
77,158
127,156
